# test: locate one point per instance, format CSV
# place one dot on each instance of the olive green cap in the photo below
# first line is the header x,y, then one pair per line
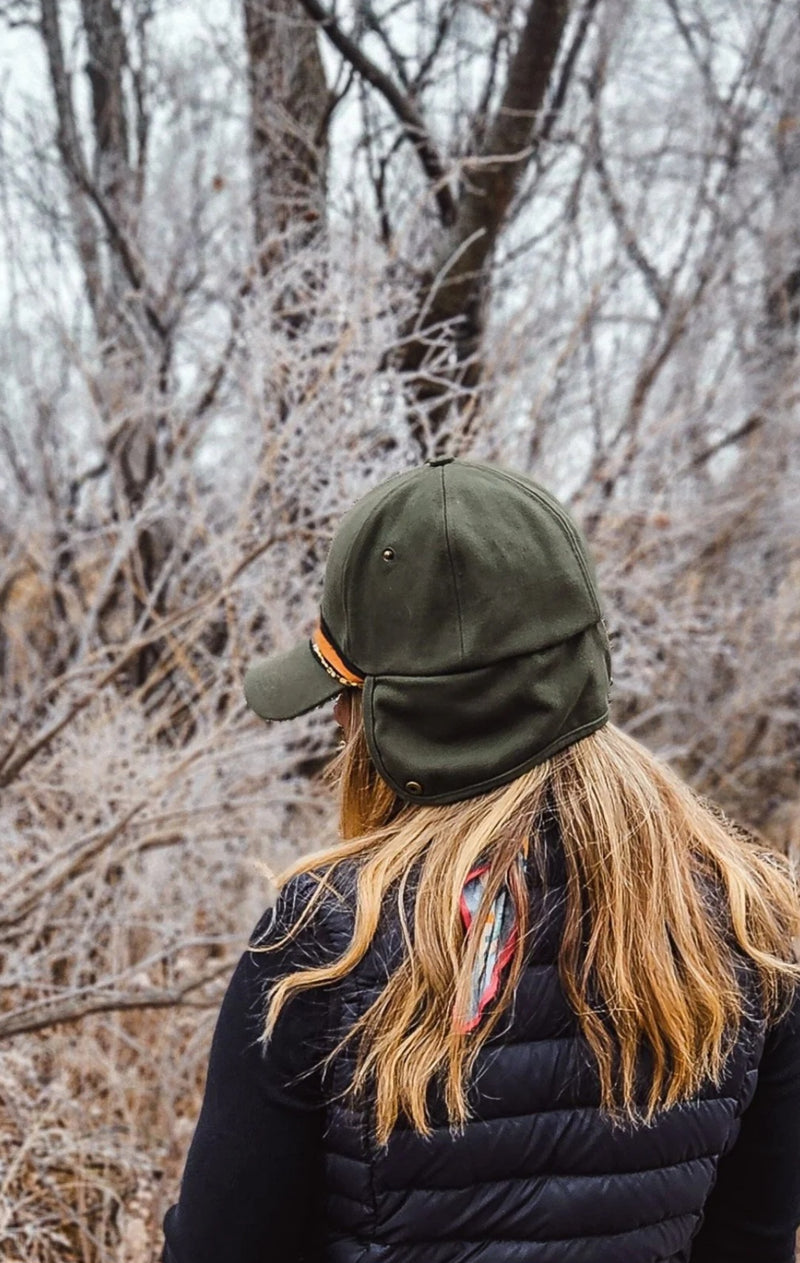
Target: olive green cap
x,y
464,600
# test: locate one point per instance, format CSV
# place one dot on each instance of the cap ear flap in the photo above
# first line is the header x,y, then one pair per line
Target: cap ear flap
x,y
438,739
607,647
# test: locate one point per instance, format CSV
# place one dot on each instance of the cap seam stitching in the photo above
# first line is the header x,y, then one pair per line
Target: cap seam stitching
x,y
371,738
362,529
500,778
452,566
567,526
511,657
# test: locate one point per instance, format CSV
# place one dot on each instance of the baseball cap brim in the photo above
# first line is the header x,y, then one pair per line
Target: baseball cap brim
x,y
289,684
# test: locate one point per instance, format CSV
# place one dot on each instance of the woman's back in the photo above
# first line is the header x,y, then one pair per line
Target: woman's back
x,y
538,1172
520,1011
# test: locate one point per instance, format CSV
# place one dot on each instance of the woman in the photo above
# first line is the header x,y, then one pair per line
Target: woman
x,y
538,1005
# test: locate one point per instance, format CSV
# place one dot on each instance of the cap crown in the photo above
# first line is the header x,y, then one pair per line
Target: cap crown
x,y
452,567
464,601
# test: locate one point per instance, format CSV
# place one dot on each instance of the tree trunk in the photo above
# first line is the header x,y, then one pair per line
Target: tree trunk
x,y
289,107
103,195
455,296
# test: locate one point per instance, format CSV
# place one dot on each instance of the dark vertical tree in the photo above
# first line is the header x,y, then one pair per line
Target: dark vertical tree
x,y
473,192
289,114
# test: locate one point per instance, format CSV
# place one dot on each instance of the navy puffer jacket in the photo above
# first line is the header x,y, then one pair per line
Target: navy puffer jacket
x,y
539,1175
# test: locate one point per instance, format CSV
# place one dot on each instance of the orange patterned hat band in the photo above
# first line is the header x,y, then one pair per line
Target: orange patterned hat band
x,y
330,658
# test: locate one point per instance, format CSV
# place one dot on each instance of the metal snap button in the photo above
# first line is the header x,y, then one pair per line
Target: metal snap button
x,y
388,554
413,787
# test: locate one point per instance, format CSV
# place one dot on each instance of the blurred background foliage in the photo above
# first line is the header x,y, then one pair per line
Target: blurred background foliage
x,y
254,257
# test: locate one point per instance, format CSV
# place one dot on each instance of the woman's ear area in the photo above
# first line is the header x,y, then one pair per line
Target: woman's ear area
x,y
343,711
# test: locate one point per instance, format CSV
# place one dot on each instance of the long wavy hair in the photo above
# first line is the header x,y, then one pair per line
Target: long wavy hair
x,y
664,899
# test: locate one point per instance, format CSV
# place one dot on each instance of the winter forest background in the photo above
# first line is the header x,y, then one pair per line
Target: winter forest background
x,y
255,256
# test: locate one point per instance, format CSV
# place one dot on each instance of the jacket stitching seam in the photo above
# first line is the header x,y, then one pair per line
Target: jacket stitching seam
x,y
550,1176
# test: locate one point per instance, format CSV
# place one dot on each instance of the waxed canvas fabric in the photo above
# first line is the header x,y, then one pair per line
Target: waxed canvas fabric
x,y
486,566
466,598
486,726
291,684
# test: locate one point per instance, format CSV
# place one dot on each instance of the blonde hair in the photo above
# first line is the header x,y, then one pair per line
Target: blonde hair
x,y
660,890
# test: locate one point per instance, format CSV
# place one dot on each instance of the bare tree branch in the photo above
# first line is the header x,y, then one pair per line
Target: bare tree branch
x,y
50,1013
455,295
619,215
741,432
556,101
402,106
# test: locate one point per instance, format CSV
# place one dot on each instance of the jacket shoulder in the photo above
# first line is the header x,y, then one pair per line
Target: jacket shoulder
x,y
315,908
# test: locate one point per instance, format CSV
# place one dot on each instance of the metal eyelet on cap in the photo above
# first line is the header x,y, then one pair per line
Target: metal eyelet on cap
x,y
413,787
388,554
